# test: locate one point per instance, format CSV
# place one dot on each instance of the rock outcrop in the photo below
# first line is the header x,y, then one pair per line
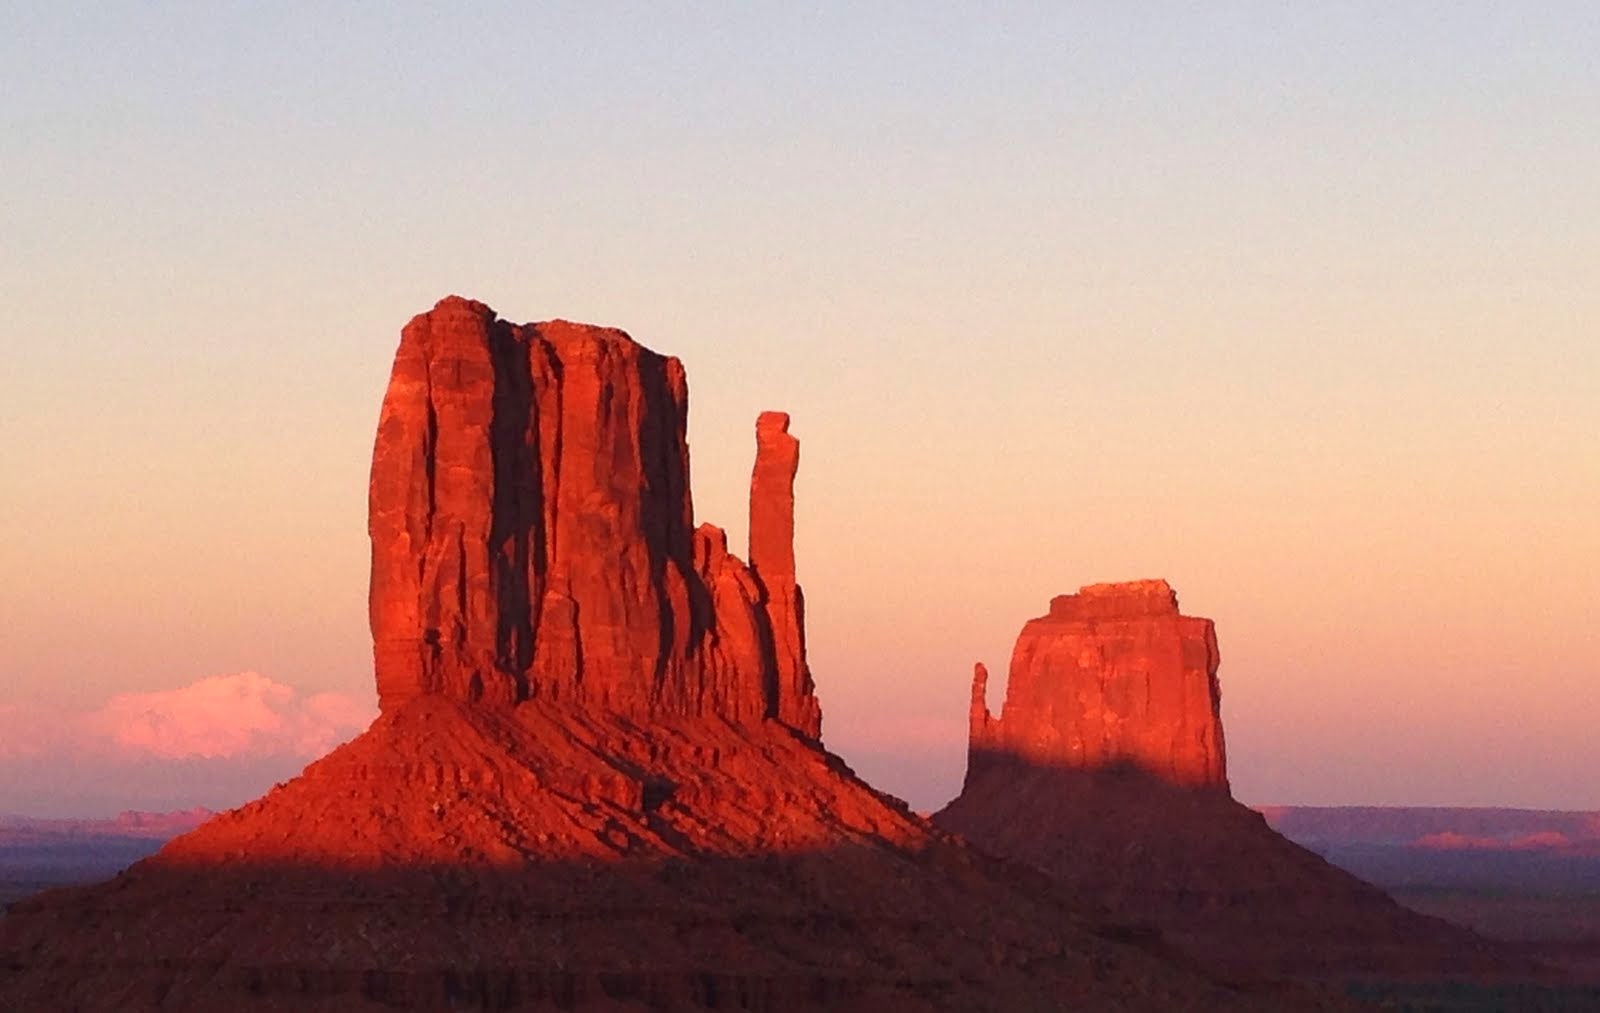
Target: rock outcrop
x,y
1112,677
533,534
1106,771
772,559
595,782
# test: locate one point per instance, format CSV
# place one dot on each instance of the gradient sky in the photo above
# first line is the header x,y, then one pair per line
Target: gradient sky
x,y
1294,305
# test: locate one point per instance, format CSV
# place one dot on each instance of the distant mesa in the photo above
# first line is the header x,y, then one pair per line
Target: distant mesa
x,y
596,780
155,826
1358,833
1106,770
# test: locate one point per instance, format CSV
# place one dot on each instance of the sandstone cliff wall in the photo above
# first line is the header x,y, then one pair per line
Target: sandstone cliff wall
x,y
533,534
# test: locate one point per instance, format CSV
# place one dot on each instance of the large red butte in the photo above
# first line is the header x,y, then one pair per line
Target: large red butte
x,y
532,532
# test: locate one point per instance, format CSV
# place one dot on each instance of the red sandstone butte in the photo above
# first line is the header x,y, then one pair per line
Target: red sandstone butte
x,y
1112,677
533,535
595,781
1106,771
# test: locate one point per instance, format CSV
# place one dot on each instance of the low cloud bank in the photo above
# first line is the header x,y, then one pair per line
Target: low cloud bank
x,y
230,716
215,742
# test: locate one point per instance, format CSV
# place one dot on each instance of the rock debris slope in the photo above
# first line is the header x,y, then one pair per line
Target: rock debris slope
x,y
596,780
1106,771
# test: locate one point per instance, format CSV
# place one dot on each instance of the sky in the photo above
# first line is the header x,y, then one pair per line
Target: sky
x,y
1293,305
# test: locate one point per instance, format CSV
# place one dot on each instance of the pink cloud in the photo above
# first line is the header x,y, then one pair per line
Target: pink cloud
x,y
227,716
216,742
235,716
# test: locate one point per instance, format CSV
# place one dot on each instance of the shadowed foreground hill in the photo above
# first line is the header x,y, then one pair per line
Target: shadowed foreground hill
x,y
1106,771
546,859
596,782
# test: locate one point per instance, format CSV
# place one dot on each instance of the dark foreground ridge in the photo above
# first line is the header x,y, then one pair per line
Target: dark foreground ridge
x,y
545,859
596,781
1106,771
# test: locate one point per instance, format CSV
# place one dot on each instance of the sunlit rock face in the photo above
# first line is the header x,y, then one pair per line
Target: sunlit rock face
x,y
533,535
1113,677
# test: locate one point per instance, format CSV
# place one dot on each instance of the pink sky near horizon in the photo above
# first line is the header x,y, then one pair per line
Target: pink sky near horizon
x,y
1294,309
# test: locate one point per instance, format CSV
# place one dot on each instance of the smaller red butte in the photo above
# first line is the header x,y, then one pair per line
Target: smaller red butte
x,y
1106,772
1112,678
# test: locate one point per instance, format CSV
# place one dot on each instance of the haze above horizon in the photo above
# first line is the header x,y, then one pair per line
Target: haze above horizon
x,y
1293,308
